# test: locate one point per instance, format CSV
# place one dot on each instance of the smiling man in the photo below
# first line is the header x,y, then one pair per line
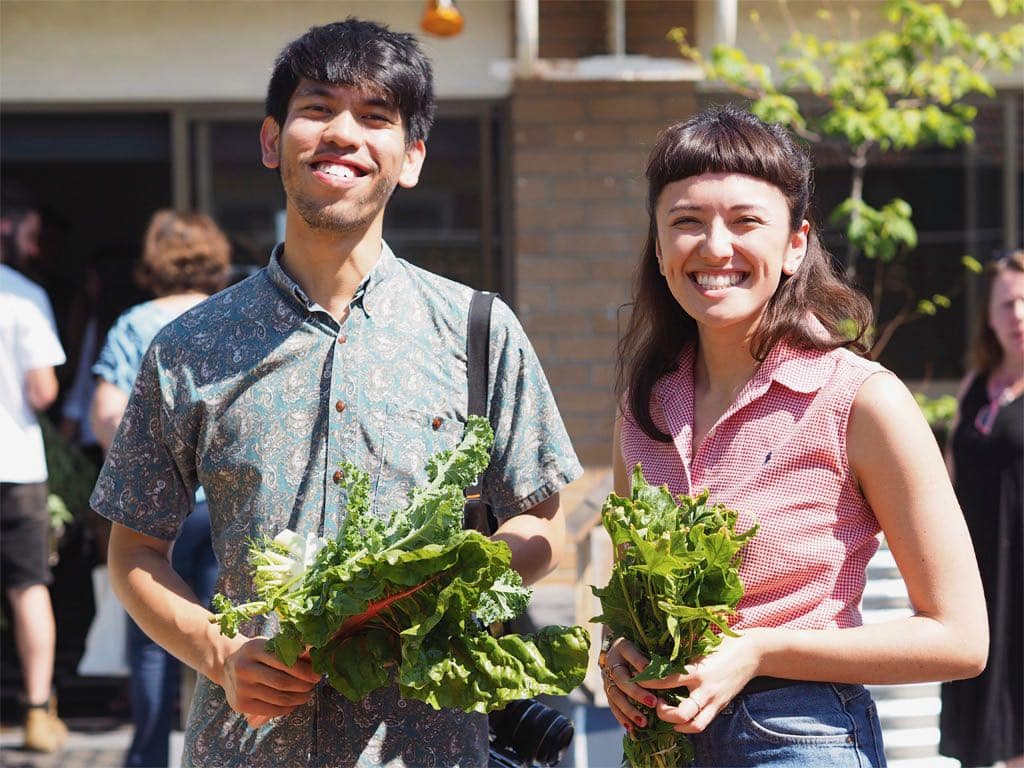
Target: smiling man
x,y
337,351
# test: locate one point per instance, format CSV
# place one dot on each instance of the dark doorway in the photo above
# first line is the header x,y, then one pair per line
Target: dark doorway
x,y
97,178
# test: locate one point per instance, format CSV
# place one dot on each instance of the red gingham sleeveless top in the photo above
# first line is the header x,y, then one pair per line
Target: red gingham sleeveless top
x,y
778,457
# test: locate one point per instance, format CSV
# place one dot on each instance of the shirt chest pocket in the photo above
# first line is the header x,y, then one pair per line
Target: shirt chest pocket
x,y
411,437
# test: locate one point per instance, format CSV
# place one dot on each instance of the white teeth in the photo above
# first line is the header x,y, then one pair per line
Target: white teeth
x,y
341,171
713,282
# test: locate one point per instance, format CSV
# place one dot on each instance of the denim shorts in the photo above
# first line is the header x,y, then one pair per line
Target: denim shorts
x,y
800,725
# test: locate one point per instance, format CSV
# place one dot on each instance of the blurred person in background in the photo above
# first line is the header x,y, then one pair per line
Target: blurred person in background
x,y
185,258
29,351
983,719
106,290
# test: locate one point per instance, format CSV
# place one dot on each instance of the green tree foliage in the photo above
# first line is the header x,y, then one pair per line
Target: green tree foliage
x,y
71,477
898,89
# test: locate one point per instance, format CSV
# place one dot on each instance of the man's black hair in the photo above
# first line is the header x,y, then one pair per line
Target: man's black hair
x,y
362,54
16,201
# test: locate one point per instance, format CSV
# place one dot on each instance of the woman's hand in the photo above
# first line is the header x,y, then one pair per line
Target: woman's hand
x,y
622,662
712,680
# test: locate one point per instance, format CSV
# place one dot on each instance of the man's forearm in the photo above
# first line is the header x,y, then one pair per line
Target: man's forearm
x,y
162,604
105,412
536,538
41,388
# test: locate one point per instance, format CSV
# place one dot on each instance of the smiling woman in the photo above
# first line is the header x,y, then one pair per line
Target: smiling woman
x,y
738,375
727,243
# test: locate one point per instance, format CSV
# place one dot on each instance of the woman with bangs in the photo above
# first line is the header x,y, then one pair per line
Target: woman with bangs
x,y
738,373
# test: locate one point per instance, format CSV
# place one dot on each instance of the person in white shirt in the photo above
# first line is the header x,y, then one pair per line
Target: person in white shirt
x,y
29,351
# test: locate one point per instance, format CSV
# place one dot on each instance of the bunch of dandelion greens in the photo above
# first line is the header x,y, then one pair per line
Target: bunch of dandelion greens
x,y
409,599
674,586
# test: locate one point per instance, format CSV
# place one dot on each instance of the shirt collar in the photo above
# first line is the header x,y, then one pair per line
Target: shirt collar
x,y
284,283
798,370
368,295
802,371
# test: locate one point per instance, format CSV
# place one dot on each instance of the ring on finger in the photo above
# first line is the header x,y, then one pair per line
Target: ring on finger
x,y
613,667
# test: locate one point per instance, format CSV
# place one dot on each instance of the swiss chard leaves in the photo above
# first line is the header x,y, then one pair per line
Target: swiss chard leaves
x,y
409,600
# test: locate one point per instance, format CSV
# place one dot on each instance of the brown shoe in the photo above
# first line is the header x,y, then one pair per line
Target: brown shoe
x,y
44,731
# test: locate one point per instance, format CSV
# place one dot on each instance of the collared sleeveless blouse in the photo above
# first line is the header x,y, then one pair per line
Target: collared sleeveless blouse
x,y
778,456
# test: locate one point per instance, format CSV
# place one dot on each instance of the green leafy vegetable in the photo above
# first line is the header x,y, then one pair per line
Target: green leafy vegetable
x,y
409,598
674,586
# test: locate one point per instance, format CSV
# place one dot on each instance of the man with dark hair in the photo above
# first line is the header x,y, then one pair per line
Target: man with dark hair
x,y
336,351
29,350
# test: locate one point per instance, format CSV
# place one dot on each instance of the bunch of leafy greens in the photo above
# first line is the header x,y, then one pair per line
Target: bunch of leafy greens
x,y
675,581
410,598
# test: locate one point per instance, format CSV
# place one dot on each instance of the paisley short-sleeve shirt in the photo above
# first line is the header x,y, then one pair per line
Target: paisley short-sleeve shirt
x,y
258,394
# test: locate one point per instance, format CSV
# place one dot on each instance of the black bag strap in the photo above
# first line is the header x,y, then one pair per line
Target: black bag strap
x,y
476,515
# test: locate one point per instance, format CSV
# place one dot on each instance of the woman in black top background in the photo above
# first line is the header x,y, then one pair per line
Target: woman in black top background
x,y
982,719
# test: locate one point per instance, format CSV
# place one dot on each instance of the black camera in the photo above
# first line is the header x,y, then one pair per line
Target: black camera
x,y
527,733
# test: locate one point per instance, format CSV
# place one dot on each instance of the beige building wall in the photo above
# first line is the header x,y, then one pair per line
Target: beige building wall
x,y
152,51
578,194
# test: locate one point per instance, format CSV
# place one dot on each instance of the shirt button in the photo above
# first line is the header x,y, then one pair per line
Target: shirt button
x,y
339,406
342,339
336,477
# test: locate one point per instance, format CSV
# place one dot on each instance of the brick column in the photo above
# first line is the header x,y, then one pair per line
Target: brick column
x,y
578,191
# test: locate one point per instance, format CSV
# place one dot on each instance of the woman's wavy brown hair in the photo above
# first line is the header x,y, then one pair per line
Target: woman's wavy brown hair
x,y
728,139
987,352
183,251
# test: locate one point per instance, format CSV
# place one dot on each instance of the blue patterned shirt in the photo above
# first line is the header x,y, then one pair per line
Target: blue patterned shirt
x,y
258,394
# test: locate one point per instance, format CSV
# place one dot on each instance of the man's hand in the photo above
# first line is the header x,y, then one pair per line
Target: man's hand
x,y
258,683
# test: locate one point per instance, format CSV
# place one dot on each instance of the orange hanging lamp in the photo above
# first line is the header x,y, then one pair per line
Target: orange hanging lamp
x,y
442,18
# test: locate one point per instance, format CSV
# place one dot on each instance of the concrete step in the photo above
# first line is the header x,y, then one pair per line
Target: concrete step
x,y
929,761
885,588
879,615
883,565
911,743
909,714
910,691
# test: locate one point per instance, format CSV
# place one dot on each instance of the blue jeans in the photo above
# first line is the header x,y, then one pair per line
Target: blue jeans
x,y
154,672
809,724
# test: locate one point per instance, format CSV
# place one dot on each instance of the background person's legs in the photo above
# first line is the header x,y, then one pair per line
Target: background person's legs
x,y
35,636
154,685
24,569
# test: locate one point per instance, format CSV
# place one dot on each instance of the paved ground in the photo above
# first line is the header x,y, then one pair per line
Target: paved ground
x,y
92,743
